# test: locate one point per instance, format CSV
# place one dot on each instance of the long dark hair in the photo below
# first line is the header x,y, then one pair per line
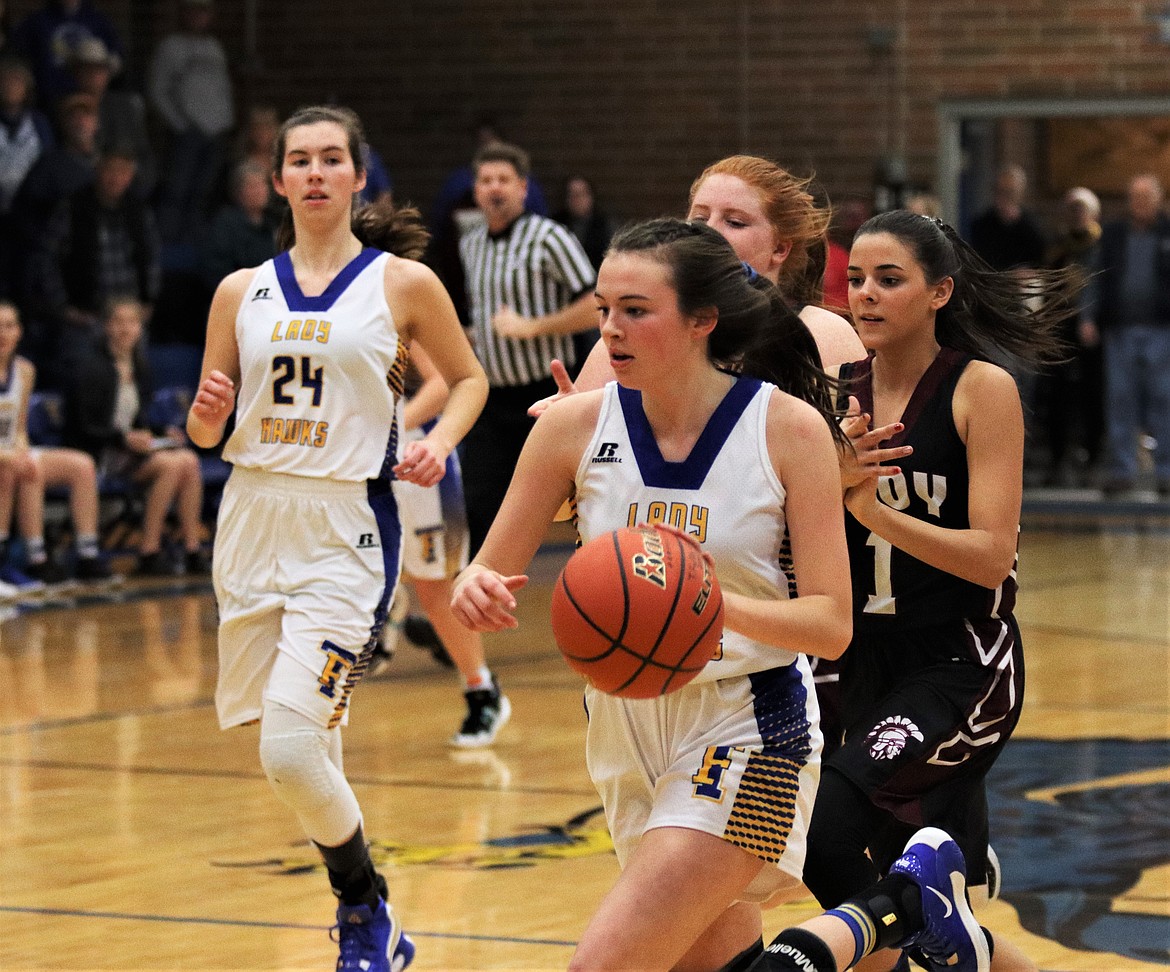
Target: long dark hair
x,y
396,229
1011,318
757,332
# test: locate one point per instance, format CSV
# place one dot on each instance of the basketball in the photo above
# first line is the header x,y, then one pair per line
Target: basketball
x,y
637,612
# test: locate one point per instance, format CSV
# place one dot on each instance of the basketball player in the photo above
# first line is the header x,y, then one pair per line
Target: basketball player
x,y
308,549
707,790
933,680
434,550
775,226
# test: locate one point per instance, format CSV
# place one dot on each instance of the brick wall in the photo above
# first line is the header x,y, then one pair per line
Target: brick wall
x,y
640,94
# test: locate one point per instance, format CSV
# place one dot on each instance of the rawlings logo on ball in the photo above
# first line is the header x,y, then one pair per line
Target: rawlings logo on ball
x,y
651,565
704,591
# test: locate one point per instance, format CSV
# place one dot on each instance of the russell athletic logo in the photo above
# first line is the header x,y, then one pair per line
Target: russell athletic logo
x,y
607,453
366,541
262,294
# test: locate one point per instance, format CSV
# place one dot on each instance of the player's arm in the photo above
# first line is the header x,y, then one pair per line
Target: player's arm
x,y
216,396
542,481
580,315
990,419
431,396
819,621
424,313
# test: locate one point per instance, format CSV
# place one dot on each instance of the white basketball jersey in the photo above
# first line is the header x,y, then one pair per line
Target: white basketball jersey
x,y
726,493
321,378
11,395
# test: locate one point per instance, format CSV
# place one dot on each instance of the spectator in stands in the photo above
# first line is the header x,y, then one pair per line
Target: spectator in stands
x,y
107,400
121,114
924,204
100,243
1006,235
1127,311
1071,392
59,173
47,39
257,137
256,143
848,215
28,469
243,233
65,167
588,220
25,134
190,89
590,223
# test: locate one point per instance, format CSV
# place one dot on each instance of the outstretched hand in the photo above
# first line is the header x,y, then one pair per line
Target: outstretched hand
x,y
865,461
565,388
483,599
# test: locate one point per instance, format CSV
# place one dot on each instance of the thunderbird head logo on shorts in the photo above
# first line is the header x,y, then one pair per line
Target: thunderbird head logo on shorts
x,y
889,737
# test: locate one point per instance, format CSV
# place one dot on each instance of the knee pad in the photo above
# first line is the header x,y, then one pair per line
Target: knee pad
x,y
297,764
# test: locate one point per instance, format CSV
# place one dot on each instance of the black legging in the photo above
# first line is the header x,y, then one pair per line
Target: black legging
x,y
844,822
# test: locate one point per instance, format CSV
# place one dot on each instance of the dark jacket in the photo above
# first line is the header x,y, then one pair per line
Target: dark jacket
x,y
90,399
79,264
1110,268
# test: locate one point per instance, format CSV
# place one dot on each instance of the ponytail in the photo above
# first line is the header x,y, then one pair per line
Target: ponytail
x,y
396,229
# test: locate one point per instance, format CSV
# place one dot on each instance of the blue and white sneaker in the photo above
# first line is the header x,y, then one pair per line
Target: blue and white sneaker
x,y
994,874
371,941
951,940
20,580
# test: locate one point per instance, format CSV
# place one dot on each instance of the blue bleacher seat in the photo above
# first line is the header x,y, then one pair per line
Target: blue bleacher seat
x,y
175,365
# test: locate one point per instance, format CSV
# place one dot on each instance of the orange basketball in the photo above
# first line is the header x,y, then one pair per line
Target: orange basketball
x,y
638,612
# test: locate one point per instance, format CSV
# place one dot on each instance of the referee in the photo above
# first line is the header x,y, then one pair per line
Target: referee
x,y
530,275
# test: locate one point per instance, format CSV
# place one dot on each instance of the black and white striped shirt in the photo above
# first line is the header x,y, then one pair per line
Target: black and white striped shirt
x,y
536,266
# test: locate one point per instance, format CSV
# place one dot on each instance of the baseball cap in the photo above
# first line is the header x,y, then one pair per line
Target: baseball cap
x,y
92,50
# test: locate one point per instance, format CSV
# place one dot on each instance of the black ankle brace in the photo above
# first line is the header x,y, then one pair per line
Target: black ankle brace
x,y
351,872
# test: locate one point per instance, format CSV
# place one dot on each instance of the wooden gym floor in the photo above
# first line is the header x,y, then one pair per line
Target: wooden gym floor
x,y
135,835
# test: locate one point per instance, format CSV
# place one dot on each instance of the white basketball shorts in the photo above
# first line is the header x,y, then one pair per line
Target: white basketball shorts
x,y
738,758
304,570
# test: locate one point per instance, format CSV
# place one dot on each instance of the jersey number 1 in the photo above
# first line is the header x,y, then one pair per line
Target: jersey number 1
x,y
882,601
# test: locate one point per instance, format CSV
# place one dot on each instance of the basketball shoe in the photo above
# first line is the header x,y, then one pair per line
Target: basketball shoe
x,y
488,711
422,634
20,580
951,939
371,941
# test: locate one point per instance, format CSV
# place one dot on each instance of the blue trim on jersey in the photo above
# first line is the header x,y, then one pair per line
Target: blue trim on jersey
x,y
298,302
389,524
781,707
690,473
